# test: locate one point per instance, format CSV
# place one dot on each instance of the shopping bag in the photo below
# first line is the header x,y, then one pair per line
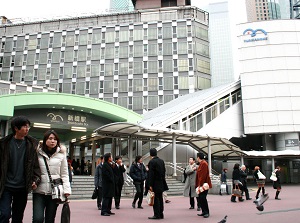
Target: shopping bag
x,y
273,177
150,198
65,213
260,175
223,188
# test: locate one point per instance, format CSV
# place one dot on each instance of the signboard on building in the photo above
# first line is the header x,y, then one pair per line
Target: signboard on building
x,y
255,35
291,142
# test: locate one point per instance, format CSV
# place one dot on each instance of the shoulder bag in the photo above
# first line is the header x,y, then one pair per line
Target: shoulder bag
x,y
273,176
57,186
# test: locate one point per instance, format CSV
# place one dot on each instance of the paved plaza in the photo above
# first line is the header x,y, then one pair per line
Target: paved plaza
x,y
282,211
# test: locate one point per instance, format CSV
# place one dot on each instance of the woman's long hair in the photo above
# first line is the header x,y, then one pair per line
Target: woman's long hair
x,y
46,136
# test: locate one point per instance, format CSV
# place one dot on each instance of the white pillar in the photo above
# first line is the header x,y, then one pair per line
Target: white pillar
x,y
242,160
273,164
130,144
140,147
93,156
209,155
174,155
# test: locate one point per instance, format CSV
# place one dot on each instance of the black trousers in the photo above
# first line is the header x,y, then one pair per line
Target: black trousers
x,y
139,193
99,197
118,194
158,207
203,202
106,205
192,200
245,189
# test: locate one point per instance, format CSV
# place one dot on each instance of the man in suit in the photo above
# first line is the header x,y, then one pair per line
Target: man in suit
x,y
157,183
108,185
202,176
243,175
119,170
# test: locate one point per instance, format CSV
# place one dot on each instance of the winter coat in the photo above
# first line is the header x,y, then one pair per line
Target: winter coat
x,y
223,177
119,176
202,175
157,174
108,180
236,175
32,168
190,181
137,174
58,168
98,176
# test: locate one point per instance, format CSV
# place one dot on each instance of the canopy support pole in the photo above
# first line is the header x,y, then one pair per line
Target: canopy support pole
x,y
273,164
209,154
174,155
130,148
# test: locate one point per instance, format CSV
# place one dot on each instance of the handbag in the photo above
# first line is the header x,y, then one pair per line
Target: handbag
x,y
260,175
95,193
273,176
57,187
65,213
150,198
236,191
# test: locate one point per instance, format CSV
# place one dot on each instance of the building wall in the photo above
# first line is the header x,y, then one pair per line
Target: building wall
x,y
270,78
136,60
147,4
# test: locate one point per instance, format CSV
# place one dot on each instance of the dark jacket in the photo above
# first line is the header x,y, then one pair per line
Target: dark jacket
x,y
277,183
236,175
137,174
119,177
223,177
108,180
32,168
98,176
157,174
243,176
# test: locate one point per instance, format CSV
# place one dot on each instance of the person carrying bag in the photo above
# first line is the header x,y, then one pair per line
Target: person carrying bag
x,y
55,186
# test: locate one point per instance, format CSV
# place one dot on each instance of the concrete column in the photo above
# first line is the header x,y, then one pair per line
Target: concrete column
x,y
130,144
140,147
113,148
174,155
273,164
209,155
71,150
101,149
93,157
118,152
242,160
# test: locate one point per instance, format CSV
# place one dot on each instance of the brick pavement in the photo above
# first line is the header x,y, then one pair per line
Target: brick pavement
x,y
284,211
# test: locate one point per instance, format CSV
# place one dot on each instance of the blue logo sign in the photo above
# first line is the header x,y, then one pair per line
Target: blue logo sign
x,y
253,34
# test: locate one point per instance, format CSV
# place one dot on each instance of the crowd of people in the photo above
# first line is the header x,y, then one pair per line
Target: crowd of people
x,y
46,163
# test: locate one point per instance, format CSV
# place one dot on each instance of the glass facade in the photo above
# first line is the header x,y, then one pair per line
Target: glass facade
x,y
137,65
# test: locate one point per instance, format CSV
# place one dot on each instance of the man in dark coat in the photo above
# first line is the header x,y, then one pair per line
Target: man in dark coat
x,y
119,170
108,185
19,170
243,174
157,183
138,174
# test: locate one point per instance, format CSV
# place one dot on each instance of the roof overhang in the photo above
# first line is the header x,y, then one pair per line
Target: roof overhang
x,y
271,154
220,147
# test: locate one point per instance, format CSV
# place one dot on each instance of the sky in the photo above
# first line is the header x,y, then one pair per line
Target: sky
x,y
31,9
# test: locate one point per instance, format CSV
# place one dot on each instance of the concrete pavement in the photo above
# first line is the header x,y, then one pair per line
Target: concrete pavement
x,y
282,211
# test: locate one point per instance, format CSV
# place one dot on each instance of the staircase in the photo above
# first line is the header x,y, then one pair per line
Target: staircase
x,y
83,186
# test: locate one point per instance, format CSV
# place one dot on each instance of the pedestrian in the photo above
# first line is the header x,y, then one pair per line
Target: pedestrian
x,y
138,174
243,175
277,183
82,166
202,176
108,185
119,171
52,154
98,182
157,183
189,186
236,182
260,182
224,180
19,170
70,172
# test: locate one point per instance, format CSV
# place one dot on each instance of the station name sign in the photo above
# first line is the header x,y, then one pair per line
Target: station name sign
x,y
255,35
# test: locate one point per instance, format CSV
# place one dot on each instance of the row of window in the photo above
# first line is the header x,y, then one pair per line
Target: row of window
x,y
95,70
83,54
56,40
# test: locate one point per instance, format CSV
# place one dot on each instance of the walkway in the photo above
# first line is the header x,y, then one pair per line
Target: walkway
x,y
286,210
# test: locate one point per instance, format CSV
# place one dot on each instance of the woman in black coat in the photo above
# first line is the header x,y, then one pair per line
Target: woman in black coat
x,y
236,181
277,183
